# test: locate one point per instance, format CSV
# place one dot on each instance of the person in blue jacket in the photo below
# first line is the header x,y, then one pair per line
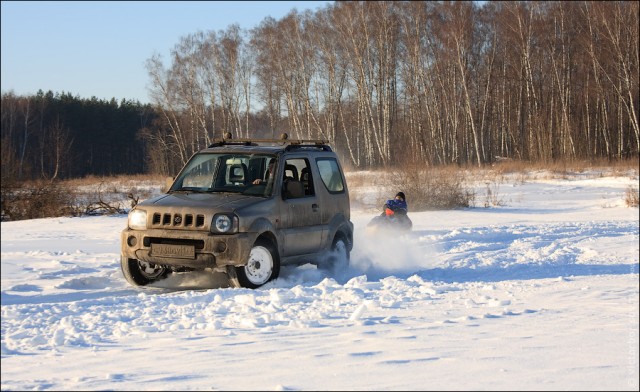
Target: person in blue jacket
x,y
397,204
394,214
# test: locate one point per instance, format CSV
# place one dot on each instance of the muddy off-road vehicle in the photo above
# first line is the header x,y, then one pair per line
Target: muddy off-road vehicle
x,y
243,208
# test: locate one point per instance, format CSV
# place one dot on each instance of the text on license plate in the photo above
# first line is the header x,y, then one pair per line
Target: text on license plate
x,y
177,251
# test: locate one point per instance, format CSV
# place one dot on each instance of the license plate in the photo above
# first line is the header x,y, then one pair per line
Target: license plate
x,y
175,251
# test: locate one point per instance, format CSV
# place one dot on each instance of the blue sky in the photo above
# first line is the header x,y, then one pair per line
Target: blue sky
x,y
99,48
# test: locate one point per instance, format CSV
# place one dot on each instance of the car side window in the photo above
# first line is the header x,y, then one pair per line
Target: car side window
x,y
330,174
297,181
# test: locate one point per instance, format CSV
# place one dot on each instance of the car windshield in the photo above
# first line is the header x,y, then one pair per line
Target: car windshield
x,y
237,173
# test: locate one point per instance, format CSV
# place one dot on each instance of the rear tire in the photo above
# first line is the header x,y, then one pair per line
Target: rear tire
x,y
141,273
263,265
338,256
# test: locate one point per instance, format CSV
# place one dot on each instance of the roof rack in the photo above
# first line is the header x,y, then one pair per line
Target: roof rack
x,y
284,140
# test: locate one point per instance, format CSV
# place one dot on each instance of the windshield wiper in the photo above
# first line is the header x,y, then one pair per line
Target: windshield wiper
x,y
188,190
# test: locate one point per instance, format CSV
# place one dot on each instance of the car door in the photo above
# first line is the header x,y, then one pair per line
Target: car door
x,y
302,216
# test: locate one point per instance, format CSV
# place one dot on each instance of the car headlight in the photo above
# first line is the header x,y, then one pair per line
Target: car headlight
x,y
224,224
138,219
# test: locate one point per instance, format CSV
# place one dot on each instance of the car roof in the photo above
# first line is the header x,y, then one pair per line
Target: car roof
x,y
270,150
266,146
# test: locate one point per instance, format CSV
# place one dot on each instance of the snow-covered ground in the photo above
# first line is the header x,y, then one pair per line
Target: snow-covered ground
x,y
537,292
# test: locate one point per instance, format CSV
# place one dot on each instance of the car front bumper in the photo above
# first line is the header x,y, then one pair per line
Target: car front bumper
x,y
191,249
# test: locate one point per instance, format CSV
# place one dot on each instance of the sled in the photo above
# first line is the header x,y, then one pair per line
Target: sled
x,y
390,220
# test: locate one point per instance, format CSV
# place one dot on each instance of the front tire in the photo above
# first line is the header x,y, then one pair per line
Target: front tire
x,y
263,265
141,273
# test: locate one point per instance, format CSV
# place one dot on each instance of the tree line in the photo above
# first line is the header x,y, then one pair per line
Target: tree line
x,y
55,136
386,82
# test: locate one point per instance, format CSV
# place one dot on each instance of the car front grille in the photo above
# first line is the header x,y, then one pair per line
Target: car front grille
x,y
168,220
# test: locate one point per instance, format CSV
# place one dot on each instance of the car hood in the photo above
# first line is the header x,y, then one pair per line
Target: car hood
x,y
201,201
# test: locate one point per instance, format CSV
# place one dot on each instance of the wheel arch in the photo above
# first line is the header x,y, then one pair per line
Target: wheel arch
x,y
344,230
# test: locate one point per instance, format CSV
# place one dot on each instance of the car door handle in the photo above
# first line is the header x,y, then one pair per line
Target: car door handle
x,y
314,207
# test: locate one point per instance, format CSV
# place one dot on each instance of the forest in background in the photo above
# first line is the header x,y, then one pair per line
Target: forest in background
x,y
387,83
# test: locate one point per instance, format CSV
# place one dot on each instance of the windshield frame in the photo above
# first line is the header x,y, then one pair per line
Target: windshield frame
x,y
225,172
